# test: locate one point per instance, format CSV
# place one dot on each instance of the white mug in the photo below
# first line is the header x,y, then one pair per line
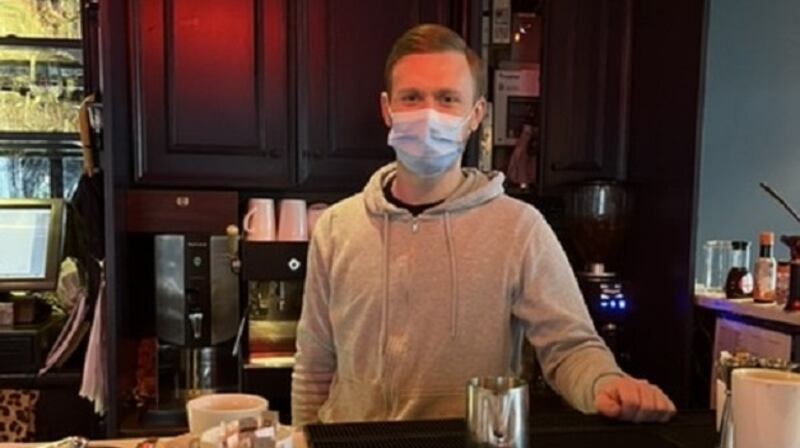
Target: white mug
x,y
314,212
209,411
292,225
259,222
766,408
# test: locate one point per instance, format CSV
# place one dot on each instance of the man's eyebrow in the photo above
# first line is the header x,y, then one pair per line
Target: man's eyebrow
x,y
447,91
408,90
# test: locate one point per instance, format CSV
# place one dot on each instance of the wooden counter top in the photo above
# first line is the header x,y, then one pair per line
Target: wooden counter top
x,y
746,307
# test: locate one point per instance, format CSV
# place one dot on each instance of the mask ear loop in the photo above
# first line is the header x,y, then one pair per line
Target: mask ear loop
x,y
472,111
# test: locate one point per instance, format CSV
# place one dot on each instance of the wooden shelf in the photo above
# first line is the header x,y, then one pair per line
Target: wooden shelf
x,y
747,307
33,380
270,361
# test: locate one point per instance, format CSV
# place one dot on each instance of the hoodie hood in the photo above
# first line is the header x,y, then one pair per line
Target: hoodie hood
x,y
476,189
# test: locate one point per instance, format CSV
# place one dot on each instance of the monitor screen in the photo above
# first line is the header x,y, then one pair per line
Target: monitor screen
x,y
30,238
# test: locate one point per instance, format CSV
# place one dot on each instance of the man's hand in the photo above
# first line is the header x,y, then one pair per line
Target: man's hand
x,y
633,400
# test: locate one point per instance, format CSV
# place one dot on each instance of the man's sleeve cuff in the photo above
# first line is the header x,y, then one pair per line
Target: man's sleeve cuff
x,y
604,378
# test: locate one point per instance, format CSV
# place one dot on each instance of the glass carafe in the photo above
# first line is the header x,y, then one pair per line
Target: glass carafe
x,y
717,254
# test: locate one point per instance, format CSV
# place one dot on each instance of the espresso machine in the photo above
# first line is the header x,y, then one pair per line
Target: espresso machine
x,y
597,214
197,317
275,274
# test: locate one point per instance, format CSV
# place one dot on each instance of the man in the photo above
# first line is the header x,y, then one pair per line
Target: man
x,y
432,275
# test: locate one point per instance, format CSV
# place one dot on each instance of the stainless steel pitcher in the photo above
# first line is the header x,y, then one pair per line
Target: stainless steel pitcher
x,y
497,411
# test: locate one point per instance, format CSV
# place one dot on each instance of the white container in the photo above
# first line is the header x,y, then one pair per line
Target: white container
x,y
209,411
766,408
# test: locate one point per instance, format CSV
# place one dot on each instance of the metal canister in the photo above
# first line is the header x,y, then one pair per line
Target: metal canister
x,y
497,412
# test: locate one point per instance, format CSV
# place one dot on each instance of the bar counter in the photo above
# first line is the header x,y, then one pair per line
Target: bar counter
x,y
548,429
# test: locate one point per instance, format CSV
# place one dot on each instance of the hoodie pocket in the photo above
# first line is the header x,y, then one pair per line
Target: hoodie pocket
x,y
354,400
426,404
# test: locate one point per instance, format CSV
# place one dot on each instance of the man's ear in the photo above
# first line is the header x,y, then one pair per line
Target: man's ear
x,y
477,117
385,110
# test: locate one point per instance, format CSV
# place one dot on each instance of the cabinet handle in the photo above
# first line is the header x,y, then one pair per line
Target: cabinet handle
x,y
275,153
182,201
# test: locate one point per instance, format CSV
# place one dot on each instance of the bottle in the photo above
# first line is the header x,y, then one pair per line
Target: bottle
x,y
764,270
739,283
793,303
782,282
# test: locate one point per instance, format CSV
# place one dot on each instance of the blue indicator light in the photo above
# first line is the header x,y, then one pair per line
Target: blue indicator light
x,y
622,304
604,304
613,303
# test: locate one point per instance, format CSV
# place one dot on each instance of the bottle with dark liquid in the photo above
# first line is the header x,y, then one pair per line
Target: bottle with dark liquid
x,y
793,303
739,283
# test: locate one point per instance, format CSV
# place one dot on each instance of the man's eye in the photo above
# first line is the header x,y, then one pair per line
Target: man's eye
x,y
409,98
449,99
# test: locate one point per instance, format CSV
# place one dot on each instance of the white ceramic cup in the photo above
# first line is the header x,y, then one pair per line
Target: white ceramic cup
x,y
292,225
766,408
314,212
209,411
259,222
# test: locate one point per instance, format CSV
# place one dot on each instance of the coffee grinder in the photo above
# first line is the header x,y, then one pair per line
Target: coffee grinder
x,y
597,213
197,316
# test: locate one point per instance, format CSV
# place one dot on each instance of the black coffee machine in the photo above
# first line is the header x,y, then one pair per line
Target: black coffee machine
x,y
597,215
197,317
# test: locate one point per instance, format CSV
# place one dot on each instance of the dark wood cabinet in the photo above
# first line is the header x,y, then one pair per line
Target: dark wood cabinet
x,y
342,51
161,211
266,93
585,85
212,93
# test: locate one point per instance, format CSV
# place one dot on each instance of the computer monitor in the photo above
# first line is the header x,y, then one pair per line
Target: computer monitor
x,y
30,243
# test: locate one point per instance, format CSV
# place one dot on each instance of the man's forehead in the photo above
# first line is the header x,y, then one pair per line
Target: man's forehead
x,y
442,60
429,69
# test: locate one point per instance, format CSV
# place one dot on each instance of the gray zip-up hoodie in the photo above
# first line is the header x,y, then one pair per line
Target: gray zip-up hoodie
x,y
400,311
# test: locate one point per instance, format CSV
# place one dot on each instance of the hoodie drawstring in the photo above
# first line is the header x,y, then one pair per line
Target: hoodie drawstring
x,y
384,316
453,280
385,302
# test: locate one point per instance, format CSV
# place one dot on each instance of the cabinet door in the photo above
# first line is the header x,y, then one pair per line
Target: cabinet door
x,y
343,48
211,93
586,88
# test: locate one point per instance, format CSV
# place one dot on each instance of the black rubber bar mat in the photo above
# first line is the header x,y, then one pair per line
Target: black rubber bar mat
x,y
402,434
452,433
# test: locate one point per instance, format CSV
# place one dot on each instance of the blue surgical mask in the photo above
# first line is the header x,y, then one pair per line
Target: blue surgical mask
x,y
427,142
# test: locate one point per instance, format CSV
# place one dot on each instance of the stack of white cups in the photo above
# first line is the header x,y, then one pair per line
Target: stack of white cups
x,y
295,220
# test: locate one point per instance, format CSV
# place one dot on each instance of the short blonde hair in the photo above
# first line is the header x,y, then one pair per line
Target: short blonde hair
x,y
433,38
